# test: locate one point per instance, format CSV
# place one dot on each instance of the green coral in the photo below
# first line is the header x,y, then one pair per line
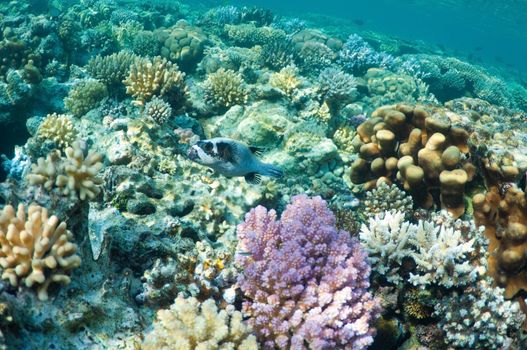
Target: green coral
x,y
111,69
224,88
85,96
248,35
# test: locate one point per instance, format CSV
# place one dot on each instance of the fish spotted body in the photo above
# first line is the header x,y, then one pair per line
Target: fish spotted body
x,y
232,158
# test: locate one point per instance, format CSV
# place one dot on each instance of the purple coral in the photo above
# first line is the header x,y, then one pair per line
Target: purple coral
x,y
357,56
305,281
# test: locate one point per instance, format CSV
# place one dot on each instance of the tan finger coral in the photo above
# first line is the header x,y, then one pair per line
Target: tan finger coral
x,y
36,250
189,324
74,175
156,77
59,129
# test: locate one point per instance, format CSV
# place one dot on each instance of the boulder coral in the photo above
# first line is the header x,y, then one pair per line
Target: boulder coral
x,y
305,282
422,151
36,248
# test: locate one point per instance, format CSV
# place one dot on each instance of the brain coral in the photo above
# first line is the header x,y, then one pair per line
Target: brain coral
x,y
189,324
36,249
59,129
74,175
305,281
156,77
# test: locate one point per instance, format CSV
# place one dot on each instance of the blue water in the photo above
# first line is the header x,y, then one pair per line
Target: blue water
x,y
490,31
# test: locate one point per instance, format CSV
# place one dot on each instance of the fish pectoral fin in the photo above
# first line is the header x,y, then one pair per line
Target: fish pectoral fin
x,y
253,178
257,151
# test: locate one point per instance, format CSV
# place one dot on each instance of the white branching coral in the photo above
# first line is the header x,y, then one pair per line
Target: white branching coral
x,y
59,129
189,325
74,175
35,249
480,318
446,252
386,241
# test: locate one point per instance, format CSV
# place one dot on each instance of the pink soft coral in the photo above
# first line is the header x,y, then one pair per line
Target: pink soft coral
x,y
305,282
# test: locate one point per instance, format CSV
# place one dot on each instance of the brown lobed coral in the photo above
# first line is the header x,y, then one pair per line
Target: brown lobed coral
x,y
505,219
422,151
35,249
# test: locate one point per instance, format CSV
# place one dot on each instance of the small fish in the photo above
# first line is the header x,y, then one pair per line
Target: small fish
x,y
232,158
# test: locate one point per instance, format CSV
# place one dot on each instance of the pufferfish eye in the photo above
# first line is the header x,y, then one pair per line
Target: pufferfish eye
x,y
207,146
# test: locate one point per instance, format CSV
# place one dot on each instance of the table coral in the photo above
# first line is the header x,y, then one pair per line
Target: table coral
x,y
504,217
73,175
420,150
59,129
189,324
305,281
36,249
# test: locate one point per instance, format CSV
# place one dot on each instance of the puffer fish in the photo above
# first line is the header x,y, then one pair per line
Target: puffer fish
x,y
232,158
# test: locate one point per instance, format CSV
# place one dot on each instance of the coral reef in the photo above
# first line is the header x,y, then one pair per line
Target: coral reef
x,y
111,69
335,86
189,324
159,110
387,197
59,129
357,55
36,248
292,301
156,77
73,175
286,80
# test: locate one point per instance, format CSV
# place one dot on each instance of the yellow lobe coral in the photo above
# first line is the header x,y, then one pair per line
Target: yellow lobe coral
x,y
59,129
74,175
156,77
189,325
35,248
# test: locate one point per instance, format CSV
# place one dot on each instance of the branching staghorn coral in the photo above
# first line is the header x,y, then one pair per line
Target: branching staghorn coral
x,y
111,69
59,129
156,77
336,87
305,281
224,89
480,318
445,251
84,96
191,325
35,249
73,175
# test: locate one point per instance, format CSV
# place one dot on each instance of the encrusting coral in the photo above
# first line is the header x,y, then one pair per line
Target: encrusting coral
x,y
73,175
191,325
156,77
504,217
59,129
305,281
36,249
422,151
224,88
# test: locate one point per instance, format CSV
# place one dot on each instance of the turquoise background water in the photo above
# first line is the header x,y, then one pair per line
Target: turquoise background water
x,y
492,32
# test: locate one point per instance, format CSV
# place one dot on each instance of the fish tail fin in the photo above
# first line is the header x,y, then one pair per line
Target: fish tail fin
x,y
271,170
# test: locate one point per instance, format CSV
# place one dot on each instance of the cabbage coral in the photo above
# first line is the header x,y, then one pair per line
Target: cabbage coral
x,y
305,282
59,129
191,325
35,249
74,175
156,77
